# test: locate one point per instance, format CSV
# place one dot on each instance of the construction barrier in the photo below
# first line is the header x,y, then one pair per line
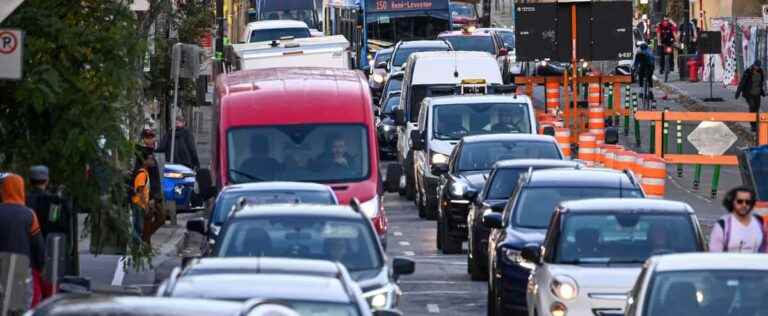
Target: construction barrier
x,y
654,176
552,104
601,151
587,148
624,160
563,136
609,157
637,166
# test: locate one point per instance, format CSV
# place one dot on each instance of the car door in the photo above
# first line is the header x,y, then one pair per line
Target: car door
x,y
540,274
420,156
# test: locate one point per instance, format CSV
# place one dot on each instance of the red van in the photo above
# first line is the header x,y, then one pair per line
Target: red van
x,y
299,124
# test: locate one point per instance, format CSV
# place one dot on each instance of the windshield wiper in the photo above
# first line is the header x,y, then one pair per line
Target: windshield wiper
x,y
244,174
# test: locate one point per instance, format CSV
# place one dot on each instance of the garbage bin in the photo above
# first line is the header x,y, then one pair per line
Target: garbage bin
x,y
682,65
693,70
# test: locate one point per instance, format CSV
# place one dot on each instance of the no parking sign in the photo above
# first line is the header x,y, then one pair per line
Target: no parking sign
x,y
11,57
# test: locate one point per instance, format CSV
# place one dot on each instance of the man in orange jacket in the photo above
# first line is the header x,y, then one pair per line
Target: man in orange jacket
x,y
20,229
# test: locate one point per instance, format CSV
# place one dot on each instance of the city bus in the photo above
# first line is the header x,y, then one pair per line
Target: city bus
x,y
374,24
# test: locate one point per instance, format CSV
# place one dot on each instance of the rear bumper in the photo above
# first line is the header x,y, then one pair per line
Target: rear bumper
x,y
456,217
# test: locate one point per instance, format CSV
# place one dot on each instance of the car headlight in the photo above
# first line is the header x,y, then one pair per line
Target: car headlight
x,y
380,298
378,78
513,256
458,189
173,175
564,287
439,158
387,128
371,207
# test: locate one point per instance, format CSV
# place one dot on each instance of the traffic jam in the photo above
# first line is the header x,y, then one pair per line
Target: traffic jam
x,y
391,158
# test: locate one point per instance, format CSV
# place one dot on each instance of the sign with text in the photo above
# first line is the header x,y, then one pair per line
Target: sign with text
x,y
11,57
404,5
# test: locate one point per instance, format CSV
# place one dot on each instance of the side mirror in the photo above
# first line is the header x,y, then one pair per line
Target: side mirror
x,y
402,266
197,225
399,117
387,312
417,140
470,194
493,220
531,253
496,207
503,52
439,169
186,260
382,65
611,135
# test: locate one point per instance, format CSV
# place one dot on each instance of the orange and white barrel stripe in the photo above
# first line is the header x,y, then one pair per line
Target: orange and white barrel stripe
x,y
596,114
654,176
624,160
587,148
637,165
552,103
563,136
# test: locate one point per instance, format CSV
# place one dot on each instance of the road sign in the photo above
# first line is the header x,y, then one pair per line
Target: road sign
x,y
11,43
712,138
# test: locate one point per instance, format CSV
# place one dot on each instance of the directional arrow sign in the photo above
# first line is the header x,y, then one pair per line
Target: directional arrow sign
x,y
712,138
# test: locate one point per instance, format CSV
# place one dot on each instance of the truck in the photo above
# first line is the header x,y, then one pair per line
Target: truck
x,y
326,51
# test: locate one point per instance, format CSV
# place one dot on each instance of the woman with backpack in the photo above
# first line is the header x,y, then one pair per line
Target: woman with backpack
x,y
740,230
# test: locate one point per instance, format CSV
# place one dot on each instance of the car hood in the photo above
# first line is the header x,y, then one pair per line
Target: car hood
x,y
442,146
475,178
371,279
600,279
518,237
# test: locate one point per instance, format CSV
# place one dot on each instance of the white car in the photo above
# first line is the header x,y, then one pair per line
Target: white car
x,y
595,248
274,30
701,284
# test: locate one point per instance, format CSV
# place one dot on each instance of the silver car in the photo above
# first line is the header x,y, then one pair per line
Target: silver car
x,y
594,250
702,284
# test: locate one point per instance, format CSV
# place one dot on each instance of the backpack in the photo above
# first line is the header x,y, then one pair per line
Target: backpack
x,y
725,226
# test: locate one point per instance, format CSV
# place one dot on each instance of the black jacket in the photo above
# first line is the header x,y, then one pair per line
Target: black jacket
x,y
186,151
746,82
156,191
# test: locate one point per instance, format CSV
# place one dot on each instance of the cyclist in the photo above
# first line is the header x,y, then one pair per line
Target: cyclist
x,y
644,64
666,34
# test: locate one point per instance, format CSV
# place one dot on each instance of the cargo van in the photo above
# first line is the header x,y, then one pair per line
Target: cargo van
x,y
299,124
431,74
326,51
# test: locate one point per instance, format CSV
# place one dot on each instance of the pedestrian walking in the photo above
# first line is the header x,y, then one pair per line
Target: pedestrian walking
x,y
752,87
185,150
740,230
644,66
666,33
154,218
644,29
689,36
20,230
140,197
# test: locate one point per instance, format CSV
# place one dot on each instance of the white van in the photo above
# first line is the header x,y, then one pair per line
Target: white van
x,y
267,31
430,74
326,51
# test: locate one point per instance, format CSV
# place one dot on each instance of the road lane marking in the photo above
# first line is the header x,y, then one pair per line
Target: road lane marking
x,y
398,234
433,308
117,279
409,253
404,243
430,282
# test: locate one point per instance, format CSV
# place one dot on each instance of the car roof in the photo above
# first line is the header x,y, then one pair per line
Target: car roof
x,y
592,177
496,29
423,43
277,186
277,93
477,32
441,67
468,99
74,304
263,265
276,24
626,205
525,163
507,137
710,261
309,210
267,286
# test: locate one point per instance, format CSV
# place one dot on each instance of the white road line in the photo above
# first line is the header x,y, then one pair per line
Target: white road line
x,y
398,234
437,292
117,279
430,282
409,253
404,243
433,308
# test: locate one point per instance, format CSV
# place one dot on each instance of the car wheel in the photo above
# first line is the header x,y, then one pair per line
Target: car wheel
x,y
476,271
410,186
450,245
430,208
439,235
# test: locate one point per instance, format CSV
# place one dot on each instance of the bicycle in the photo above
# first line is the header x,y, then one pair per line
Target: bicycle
x,y
667,62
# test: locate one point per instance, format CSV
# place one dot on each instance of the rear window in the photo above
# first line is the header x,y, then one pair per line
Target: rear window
x,y
402,54
472,43
277,34
482,156
224,204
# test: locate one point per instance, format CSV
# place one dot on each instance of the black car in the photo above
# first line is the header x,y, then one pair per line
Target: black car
x,y
525,219
309,231
302,284
465,174
385,125
502,181
100,305
394,84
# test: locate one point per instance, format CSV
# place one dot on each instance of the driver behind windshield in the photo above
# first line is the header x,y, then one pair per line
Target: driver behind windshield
x,y
450,125
506,122
658,239
260,166
336,157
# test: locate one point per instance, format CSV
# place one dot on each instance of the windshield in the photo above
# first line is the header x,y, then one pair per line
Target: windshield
x,y
393,85
224,204
472,43
508,38
381,56
351,242
460,9
402,54
275,34
405,28
304,15
482,156
393,101
504,182
708,293
536,205
454,121
307,153
623,237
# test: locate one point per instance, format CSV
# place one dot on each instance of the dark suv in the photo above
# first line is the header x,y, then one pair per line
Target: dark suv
x,y
525,219
501,183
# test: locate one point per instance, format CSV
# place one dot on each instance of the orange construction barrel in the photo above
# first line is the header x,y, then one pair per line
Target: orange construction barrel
x,y
563,136
654,176
552,103
587,147
624,160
